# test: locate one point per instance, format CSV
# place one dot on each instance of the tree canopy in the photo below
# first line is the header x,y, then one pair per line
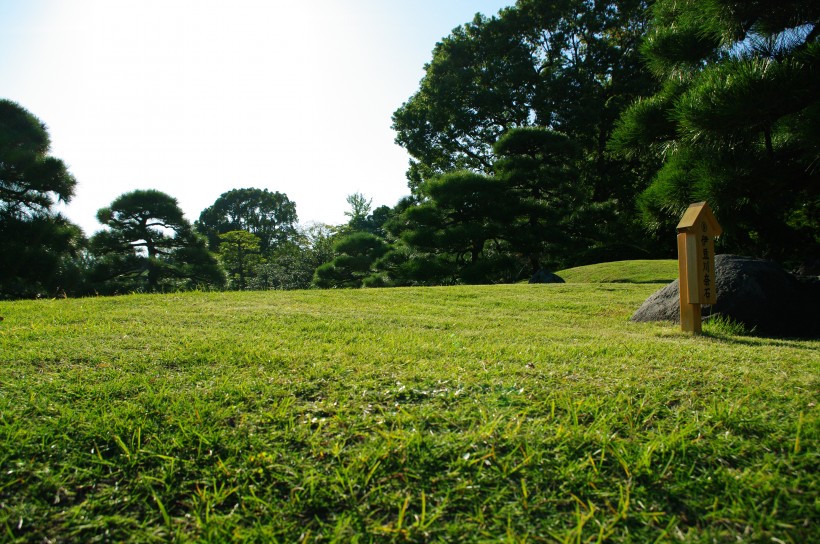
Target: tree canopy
x,y
454,233
735,122
150,246
570,66
541,193
240,256
356,254
37,244
270,216
31,181
292,265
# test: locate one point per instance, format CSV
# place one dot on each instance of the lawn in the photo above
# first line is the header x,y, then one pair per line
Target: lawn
x,y
639,271
514,413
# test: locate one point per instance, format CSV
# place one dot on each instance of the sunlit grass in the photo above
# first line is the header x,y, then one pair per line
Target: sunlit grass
x,y
641,271
533,413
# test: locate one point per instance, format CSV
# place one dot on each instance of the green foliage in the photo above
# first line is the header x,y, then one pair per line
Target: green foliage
x,y
478,84
516,413
571,66
403,266
149,246
536,64
735,123
268,215
461,215
644,125
31,181
292,265
39,249
356,255
364,219
40,256
360,208
239,253
541,194
472,228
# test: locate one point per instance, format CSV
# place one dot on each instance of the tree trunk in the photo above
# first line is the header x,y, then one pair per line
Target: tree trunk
x,y
240,257
151,267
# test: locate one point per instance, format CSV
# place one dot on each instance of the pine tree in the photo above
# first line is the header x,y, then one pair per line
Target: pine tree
x,y
736,122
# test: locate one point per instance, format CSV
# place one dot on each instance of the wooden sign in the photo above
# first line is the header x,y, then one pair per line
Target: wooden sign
x,y
696,263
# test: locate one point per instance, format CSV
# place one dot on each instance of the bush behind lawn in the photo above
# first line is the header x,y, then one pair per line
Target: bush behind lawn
x,y
516,413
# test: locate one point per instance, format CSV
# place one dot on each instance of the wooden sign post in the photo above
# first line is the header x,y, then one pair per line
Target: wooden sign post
x,y
696,263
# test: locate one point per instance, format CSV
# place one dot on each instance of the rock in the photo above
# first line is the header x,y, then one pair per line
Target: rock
x,y
757,293
543,276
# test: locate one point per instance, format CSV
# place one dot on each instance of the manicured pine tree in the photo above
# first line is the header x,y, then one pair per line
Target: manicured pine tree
x,y
39,248
355,256
736,122
150,246
542,194
457,229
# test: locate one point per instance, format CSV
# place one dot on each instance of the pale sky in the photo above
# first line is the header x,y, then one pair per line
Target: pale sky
x,y
197,97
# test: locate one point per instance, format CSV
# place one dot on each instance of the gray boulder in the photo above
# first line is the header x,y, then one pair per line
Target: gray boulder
x,y
757,293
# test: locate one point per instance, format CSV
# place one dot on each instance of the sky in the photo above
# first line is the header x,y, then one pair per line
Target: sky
x,y
198,97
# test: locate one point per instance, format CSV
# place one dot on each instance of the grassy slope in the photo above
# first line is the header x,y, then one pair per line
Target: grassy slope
x,y
512,413
641,271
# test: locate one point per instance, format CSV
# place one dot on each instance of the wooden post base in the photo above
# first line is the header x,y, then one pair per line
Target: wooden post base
x,y
689,313
690,318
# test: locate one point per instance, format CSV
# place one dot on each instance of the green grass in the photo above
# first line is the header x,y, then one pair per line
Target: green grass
x,y
521,413
645,271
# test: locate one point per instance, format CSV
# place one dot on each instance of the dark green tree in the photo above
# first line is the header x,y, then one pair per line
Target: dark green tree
x,y
39,248
736,122
271,216
150,246
568,65
542,193
240,256
355,256
456,232
377,219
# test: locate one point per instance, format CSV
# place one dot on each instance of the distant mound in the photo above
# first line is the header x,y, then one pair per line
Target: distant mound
x,y
757,293
639,271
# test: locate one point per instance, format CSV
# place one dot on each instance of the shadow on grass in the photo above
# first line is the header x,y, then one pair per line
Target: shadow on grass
x,y
728,330
642,282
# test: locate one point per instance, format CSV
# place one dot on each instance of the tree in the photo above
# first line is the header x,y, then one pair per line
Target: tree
x,y
292,265
461,215
377,220
37,244
536,166
355,256
568,65
270,216
240,256
365,219
735,122
360,207
150,246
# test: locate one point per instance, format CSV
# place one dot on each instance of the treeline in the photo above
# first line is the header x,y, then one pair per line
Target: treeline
x,y
554,134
